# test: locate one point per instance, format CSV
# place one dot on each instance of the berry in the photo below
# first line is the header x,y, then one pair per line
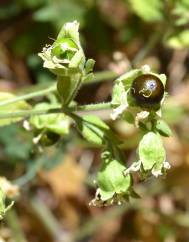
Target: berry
x,y
147,90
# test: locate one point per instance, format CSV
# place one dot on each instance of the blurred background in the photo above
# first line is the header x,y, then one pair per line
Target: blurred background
x,y
57,184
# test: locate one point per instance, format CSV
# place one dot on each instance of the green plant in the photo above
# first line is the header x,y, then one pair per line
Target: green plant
x,y
137,104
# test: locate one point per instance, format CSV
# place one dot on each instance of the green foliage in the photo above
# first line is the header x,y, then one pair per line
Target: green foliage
x,y
181,12
15,107
148,10
18,148
66,59
93,129
152,153
56,123
61,12
110,177
3,207
163,128
179,39
122,100
51,120
114,186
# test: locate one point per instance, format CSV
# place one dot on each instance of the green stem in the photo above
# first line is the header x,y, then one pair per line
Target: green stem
x,y
93,107
147,48
28,113
29,96
47,218
102,76
98,77
14,224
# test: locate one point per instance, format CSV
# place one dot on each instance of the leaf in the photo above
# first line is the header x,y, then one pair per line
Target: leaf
x,y
151,151
93,129
57,123
179,39
111,179
163,128
11,108
148,10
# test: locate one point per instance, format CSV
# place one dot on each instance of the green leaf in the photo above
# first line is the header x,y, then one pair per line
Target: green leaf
x,y
111,179
148,10
57,123
10,108
93,129
163,128
151,151
179,39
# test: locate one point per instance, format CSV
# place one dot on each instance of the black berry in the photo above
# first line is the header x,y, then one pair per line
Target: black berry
x,y
147,90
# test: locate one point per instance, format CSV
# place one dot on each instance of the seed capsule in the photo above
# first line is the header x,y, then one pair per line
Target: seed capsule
x,y
147,90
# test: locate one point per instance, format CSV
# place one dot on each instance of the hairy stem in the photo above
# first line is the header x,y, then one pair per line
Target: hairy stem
x,y
58,109
98,77
29,96
102,76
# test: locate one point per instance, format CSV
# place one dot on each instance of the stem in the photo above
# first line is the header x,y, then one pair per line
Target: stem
x,y
147,48
102,76
93,107
14,224
48,219
28,113
98,77
29,96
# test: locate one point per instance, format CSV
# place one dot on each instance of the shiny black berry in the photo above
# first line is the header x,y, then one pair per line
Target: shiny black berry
x,y
147,90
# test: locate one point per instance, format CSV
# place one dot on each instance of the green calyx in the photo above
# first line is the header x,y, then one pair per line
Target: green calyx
x,y
113,186
135,97
64,49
